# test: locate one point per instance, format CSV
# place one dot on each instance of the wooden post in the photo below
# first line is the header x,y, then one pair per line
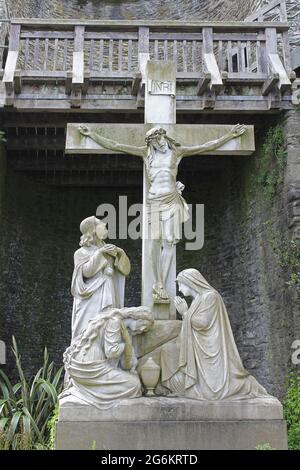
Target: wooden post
x,y
78,67
143,57
274,63
11,63
211,65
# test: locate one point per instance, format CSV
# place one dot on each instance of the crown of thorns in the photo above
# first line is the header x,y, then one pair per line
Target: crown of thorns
x,y
155,132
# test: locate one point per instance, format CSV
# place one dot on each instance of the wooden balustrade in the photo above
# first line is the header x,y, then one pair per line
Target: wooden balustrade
x,y
78,54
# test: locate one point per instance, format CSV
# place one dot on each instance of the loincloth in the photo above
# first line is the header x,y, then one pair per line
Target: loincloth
x,y
166,214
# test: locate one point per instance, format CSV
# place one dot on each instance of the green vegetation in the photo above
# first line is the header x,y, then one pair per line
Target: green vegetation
x,y
288,255
272,162
291,407
26,407
51,427
266,446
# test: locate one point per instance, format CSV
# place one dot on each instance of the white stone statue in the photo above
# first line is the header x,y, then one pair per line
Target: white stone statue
x,y
204,362
99,275
101,361
166,207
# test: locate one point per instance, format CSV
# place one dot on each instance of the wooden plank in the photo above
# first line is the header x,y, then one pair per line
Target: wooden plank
x,y
286,52
55,53
136,83
144,39
210,59
156,49
128,104
249,77
277,67
261,63
270,84
143,55
26,55
194,56
120,55
65,54
241,57
271,40
167,35
101,50
68,24
175,52
11,63
46,54
165,49
129,55
248,56
208,40
47,34
110,54
239,36
78,66
220,55
43,74
184,55
274,62
78,60
91,54
107,35
203,84
229,56
36,52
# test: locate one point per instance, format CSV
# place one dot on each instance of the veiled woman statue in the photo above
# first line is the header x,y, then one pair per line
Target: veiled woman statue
x,y
99,275
101,361
204,363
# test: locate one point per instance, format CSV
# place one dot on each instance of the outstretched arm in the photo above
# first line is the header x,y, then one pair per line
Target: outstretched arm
x,y
111,144
236,131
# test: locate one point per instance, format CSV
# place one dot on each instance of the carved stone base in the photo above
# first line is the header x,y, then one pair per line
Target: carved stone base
x,y
171,423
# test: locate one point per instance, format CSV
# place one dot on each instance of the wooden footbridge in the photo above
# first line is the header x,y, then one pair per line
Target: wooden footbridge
x,y
97,66
54,72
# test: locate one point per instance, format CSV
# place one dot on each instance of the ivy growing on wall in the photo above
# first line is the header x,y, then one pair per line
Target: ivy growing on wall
x,y
288,256
291,408
272,162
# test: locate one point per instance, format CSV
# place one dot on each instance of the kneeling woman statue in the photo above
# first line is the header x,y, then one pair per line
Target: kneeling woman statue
x,y
204,362
101,361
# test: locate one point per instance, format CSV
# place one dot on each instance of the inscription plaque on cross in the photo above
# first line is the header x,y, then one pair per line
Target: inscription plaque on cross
x,y
161,143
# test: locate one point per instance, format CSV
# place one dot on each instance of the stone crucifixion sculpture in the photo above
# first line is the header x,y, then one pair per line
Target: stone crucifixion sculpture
x,y
166,207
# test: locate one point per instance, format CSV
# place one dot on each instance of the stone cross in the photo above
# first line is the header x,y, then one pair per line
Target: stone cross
x,y
162,144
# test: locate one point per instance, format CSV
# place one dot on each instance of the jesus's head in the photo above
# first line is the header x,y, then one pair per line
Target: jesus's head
x,y
158,139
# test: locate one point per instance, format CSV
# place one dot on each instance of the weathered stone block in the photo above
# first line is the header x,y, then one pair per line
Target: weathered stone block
x,y
172,423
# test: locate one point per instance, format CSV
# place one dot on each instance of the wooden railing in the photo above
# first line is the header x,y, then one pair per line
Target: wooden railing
x,y
79,53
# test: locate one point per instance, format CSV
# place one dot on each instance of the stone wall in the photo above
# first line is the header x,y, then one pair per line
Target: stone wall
x,y
40,233
133,9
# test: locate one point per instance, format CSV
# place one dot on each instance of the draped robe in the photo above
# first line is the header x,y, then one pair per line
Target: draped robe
x,y
96,374
98,284
204,363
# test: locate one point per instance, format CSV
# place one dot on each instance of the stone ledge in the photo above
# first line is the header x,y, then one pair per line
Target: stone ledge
x,y
171,435
164,409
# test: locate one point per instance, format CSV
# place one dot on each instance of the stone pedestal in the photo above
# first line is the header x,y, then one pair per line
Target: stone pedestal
x,y
171,424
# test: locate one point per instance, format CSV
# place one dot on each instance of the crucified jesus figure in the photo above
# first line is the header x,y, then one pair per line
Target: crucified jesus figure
x,y
167,209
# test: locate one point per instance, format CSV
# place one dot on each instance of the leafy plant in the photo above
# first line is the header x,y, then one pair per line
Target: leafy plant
x,y
266,446
288,254
51,427
25,407
291,407
272,162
